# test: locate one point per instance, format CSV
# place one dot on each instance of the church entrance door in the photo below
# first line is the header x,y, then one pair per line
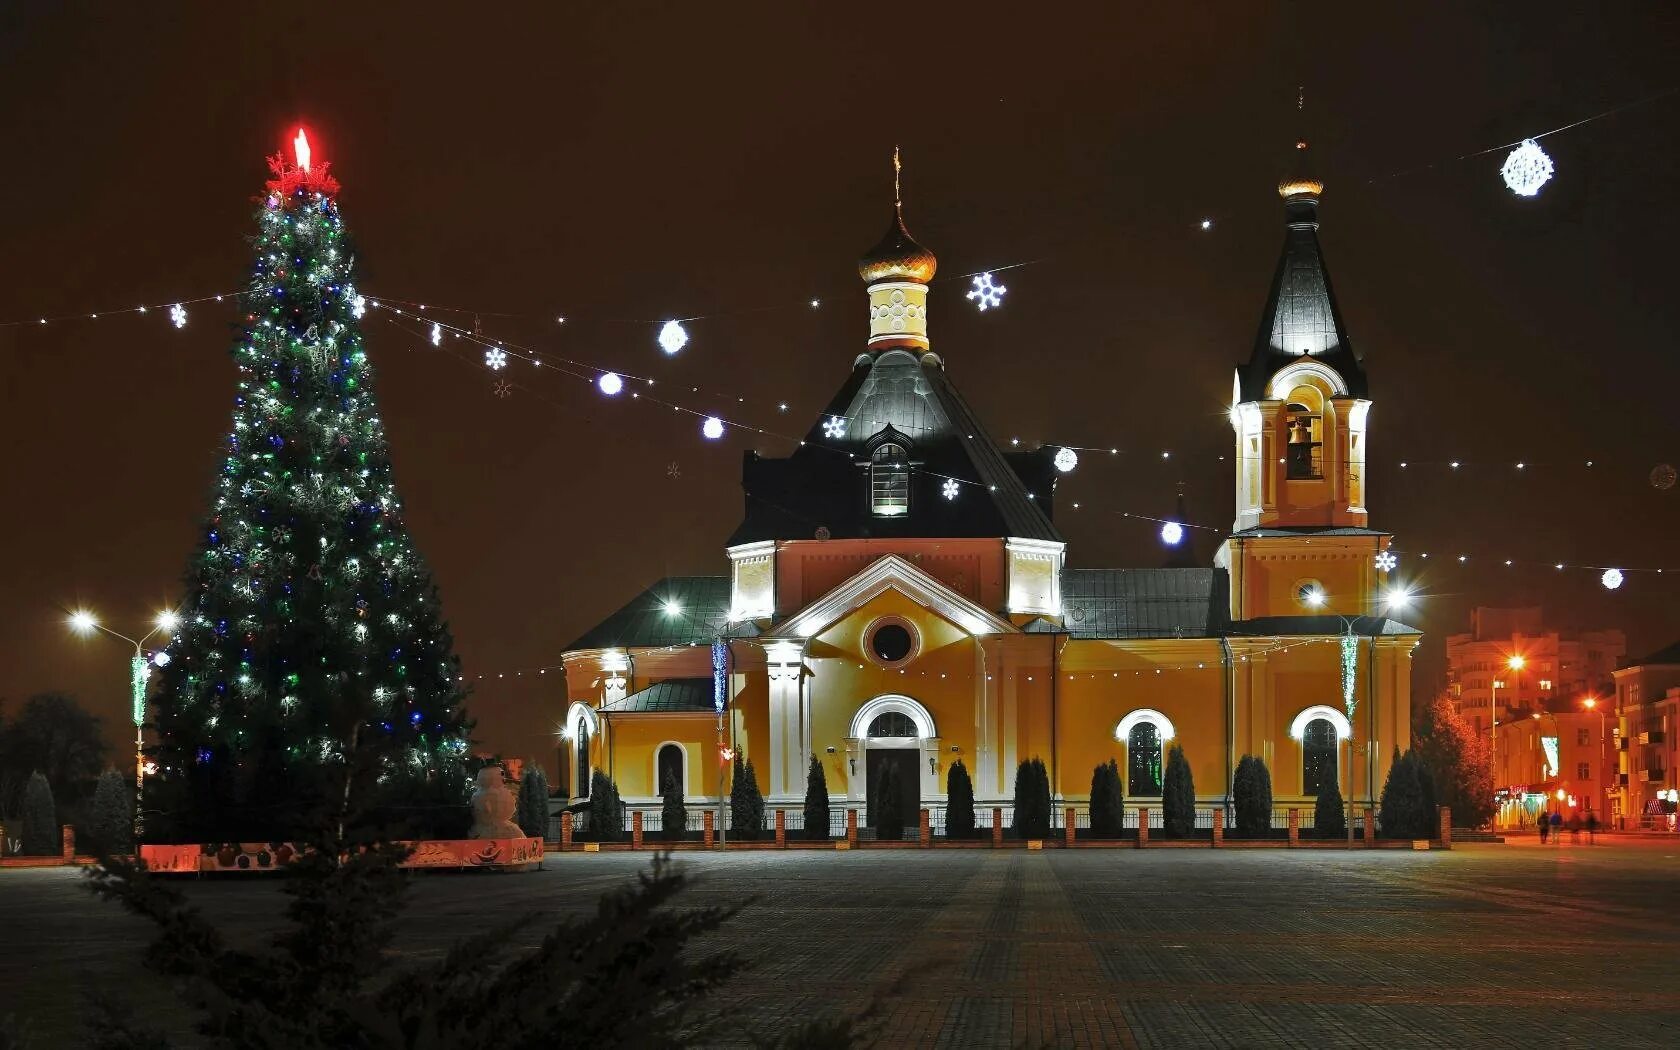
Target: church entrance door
x,y
905,762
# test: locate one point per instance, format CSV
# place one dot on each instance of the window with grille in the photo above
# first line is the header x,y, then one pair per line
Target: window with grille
x,y
892,723
1318,757
1581,738
1583,771
889,481
1143,760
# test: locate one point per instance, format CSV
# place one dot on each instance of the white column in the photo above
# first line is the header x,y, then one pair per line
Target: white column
x,y
786,666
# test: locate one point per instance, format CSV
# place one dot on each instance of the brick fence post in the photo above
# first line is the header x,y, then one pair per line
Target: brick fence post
x,y
1219,827
69,841
1072,818
1143,827
636,830
1446,827
707,834
851,827
997,827
781,828
566,830
1294,827
1365,827
926,831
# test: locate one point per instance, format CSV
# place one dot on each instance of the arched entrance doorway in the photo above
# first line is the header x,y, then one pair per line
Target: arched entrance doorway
x,y
893,732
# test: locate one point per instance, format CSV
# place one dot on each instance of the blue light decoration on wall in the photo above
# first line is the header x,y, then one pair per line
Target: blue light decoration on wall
x,y
720,674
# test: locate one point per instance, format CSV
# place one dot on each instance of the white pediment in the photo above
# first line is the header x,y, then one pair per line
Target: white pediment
x,y
892,573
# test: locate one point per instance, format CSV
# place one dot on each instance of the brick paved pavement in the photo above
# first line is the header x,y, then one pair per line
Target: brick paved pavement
x,y
1486,945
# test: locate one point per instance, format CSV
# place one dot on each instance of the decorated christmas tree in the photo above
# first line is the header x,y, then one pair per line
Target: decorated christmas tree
x,y
312,671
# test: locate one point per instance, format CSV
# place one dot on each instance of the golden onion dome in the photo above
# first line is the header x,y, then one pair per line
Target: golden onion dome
x,y
1300,184
898,257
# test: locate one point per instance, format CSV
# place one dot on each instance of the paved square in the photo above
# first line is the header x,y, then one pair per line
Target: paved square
x,y
1513,945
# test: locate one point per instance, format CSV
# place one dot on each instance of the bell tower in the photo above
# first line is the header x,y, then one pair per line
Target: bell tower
x,y
1301,543
1299,407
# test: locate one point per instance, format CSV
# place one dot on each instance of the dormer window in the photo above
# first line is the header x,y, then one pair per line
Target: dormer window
x,y
1304,443
889,481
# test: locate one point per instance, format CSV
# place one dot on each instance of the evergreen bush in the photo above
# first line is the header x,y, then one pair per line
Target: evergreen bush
x,y
673,815
816,800
532,814
40,819
1251,794
889,800
1108,802
110,824
606,809
1402,814
1329,818
1178,796
959,802
746,804
1032,800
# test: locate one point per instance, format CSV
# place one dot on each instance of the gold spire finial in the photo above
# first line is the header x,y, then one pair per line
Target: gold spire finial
x,y
898,194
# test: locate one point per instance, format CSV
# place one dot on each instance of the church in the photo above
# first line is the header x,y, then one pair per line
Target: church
x,y
898,593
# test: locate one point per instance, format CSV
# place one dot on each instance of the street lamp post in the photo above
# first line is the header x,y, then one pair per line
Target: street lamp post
x,y
84,622
1591,704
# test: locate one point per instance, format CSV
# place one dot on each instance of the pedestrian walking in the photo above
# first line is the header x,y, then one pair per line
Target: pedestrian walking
x,y
1575,829
1557,829
1592,828
1544,825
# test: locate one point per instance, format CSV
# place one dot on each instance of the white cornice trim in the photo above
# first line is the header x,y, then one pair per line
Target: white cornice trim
x,y
891,572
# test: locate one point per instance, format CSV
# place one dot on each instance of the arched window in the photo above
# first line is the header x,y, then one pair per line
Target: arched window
x,y
669,766
1143,760
1318,756
582,738
893,723
1305,443
889,481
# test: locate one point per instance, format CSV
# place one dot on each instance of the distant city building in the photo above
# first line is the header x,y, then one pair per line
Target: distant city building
x,y
1647,704
1510,662
1556,762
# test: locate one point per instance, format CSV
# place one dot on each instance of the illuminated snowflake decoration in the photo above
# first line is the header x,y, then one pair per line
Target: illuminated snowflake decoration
x,y
1172,533
986,294
178,315
834,427
1611,579
1386,561
437,334
503,388
495,358
673,337
610,383
949,488
1527,169
673,469
358,307
712,428
1066,459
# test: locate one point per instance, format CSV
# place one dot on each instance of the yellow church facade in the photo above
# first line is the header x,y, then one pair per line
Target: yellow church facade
x,y
898,594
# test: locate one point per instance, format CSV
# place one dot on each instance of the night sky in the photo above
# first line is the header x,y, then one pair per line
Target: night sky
x,y
621,164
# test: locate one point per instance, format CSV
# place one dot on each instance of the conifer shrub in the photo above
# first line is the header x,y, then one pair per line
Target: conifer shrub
x,y
110,823
816,800
1329,818
606,809
746,803
959,802
1178,796
532,812
1108,801
889,800
1402,815
1032,800
673,815
1251,795
40,818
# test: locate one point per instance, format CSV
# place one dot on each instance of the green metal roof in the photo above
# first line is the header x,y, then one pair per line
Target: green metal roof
x,y
678,610
673,694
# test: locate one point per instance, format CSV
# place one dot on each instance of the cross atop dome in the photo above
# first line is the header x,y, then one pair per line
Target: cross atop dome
x,y
897,271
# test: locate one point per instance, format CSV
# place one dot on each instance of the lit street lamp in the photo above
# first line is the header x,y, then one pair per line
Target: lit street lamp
x,y
84,623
